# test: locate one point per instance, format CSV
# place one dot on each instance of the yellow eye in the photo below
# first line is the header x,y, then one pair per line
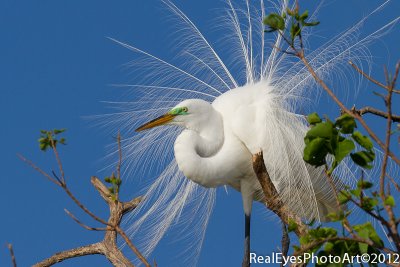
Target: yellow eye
x,y
185,109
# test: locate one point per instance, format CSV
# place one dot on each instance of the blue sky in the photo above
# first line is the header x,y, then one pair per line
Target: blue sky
x,y
56,67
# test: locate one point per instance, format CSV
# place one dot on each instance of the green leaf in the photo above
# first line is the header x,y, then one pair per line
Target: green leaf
x,y
313,118
356,192
58,131
346,123
328,246
364,184
363,158
343,149
315,152
290,12
362,140
274,21
389,201
323,130
295,30
367,231
343,197
312,23
304,15
369,204
43,146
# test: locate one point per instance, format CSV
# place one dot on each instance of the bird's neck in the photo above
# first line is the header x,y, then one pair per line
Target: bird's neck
x,y
194,148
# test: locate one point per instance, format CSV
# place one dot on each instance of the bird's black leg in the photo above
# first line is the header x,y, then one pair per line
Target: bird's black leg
x,y
246,257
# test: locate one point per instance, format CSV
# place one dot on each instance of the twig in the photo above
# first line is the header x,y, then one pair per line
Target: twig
x,y
132,246
13,260
84,225
377,112
119,155
367,76
63,186
45,174
60,166
396,185
83,207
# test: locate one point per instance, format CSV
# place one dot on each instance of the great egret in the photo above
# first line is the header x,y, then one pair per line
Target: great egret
x,y
219,139
227,119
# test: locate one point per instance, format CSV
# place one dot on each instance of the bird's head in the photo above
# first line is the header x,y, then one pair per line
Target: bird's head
x,y
191,114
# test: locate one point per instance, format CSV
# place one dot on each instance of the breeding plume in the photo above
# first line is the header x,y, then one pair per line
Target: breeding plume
x,y
206,122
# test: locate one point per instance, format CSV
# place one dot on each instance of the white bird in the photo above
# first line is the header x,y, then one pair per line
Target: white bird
x,y
224,120
219,139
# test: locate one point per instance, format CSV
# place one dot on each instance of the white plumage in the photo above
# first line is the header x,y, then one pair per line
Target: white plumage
x,y
228,118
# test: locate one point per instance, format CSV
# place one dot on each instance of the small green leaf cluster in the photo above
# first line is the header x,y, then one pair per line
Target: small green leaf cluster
x,y
296,20
329,243
352,247
336,139
115,184
48,139
366,200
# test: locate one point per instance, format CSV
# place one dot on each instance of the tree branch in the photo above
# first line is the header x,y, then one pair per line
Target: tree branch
x,y
344,108
13,260
377,112
108,246
272,199
92,249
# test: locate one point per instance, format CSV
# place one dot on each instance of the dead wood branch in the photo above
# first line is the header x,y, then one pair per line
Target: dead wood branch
x,y
108,246
13,260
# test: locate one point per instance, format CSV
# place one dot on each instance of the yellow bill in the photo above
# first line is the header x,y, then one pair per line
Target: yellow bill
x,y
156,122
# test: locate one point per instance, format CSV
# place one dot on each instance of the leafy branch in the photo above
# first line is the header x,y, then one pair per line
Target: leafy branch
x,y
328,143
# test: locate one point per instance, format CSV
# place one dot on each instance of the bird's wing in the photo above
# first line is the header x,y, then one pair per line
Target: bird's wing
x,y
260,120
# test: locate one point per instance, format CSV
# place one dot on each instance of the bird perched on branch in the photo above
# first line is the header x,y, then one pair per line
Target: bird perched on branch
x,y
223,119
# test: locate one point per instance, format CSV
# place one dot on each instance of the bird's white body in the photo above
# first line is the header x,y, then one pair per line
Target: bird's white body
x,y
217,146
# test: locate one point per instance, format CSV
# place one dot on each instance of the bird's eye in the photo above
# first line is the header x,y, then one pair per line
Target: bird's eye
x,y
185,109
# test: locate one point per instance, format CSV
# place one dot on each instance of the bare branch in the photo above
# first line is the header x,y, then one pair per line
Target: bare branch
x,y
377,112
92,249
367,76
60,166
82,224
131,205
80,205
13,260
35,167
132,246
102,189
